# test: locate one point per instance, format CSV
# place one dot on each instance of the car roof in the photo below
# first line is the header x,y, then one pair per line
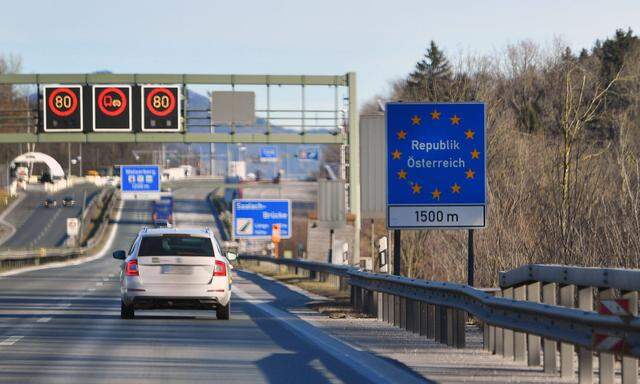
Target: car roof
x,y
176,231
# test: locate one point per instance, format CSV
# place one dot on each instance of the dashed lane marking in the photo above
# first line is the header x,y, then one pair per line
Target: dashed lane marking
x,y
43,320
100,283
10,340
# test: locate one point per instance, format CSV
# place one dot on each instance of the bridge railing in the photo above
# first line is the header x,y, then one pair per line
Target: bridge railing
x,y
514,319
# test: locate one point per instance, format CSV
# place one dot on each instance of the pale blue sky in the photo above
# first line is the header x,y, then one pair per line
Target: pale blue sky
x,y
380,40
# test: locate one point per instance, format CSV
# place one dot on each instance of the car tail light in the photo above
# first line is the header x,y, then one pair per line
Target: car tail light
x,y
132,268
220,269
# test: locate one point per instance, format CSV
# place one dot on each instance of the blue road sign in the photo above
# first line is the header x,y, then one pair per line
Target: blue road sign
x,y
308,153
254,218
140,178
269,154
436,165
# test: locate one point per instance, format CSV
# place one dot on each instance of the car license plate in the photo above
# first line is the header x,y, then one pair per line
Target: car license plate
x,y
176,270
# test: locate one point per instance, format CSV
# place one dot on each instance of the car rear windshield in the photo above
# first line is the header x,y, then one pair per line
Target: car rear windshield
x,y
175,245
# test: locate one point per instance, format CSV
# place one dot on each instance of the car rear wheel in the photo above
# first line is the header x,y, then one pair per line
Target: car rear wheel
x,y
222,312
126,311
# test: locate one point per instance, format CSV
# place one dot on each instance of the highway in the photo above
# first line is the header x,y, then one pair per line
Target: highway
x,y
62,325
37,226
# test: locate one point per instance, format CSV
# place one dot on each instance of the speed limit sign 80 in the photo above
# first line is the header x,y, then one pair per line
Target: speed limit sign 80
x,y
160,108
63,108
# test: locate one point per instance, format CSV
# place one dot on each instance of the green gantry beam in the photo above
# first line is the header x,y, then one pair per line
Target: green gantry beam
x,y
132,78
257,138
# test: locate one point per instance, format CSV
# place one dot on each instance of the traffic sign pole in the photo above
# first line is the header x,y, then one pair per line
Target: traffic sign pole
x,y
470,259
397,252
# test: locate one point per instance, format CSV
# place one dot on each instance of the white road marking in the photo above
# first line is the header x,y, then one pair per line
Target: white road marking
x,y
100,283
44,320
10,340
369,366
65,305
112,275
92,289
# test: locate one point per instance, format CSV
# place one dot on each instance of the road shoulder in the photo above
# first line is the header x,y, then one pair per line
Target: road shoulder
x,y
423,356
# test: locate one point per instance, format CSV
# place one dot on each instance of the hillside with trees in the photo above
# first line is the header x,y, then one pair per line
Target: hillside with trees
x,y
563,155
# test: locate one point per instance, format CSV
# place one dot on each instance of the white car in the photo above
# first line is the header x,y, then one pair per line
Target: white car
x,y
171,268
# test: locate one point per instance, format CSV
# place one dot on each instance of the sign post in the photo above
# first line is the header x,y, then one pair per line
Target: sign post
x,y
275,239
436,169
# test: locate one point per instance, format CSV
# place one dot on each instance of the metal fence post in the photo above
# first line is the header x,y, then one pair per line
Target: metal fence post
x,y
438,323
416,317
585,355
431,321
533,341
606,362
423,318
380,305
549,296
403,312
396,311
461,322
507,338
519,293
409,314
450,326
567,299
499,335
630,364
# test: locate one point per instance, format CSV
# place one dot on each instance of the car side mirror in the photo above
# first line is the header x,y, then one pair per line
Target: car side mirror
x,y
120,255
231,256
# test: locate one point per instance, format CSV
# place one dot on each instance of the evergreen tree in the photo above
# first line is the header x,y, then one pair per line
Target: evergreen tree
x,y
431,76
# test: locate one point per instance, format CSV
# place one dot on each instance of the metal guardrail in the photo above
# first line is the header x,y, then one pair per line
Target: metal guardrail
x,y
514,323
617,278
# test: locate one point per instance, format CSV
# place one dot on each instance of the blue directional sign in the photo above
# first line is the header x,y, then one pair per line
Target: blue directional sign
x,y
308,153
269,154
140,178
436,165
254,218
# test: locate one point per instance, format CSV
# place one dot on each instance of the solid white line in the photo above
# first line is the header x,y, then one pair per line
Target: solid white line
x,y
373,368
10,340
43,320
100,254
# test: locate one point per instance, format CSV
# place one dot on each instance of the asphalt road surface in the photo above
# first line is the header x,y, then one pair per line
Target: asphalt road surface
x,y
62,325
37,226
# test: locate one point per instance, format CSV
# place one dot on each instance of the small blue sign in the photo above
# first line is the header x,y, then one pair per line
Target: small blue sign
x,y
140,178
436,165
254,218
268,153
308,153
